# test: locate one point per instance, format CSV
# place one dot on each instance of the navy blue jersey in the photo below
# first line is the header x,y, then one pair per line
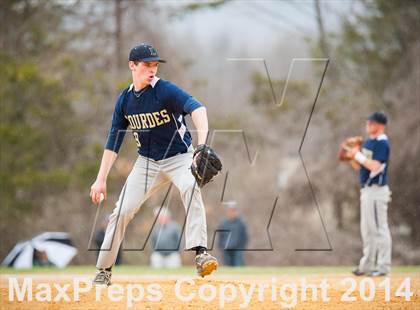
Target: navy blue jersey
x,y
376,149
156,117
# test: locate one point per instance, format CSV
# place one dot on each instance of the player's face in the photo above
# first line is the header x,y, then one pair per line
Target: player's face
x,y
373,128
232,213
370,127
163,219
144,72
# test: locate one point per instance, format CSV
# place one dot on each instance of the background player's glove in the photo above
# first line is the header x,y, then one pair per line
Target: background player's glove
x,y
345,148
206,164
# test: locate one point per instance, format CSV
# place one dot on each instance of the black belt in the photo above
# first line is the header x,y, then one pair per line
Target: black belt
x,y
370,185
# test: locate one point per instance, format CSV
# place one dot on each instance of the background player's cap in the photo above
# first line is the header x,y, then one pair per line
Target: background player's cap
x,y
378,117
230,204
144,52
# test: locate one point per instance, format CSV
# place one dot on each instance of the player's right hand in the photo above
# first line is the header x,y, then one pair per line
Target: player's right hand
x,y
98,191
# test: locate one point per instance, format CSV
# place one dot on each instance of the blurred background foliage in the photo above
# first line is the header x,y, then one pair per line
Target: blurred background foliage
x,y
64,62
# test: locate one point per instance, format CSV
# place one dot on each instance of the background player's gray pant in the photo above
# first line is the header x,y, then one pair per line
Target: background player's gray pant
x,y
374,228
175,169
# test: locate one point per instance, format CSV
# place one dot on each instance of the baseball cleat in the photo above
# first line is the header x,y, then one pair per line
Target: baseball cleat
x,y
103,277
377,274
358,273
205,264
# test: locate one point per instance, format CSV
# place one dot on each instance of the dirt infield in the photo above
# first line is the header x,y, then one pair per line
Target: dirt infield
x,y
218,291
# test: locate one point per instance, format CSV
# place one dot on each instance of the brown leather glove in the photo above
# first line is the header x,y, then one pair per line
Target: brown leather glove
x,y
345,148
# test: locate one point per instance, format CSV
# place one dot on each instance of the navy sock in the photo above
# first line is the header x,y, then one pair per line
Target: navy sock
x,y
199,250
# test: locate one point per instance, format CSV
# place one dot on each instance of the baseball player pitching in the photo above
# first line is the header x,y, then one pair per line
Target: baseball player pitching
x,y
372,158
154,109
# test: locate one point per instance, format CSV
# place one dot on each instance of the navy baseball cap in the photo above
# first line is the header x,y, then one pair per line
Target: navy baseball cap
x,y
378,117
144,52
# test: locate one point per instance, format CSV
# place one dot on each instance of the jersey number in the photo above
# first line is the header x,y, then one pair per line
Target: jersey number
x,y
136,137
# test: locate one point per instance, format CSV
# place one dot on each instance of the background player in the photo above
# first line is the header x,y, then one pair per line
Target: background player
x,y
375,195
154,109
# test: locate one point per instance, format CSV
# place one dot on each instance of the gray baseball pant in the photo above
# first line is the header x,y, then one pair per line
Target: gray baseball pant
x,y
374,229
146,178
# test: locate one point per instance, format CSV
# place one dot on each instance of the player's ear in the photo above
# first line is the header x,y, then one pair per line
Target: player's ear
x,y
132,65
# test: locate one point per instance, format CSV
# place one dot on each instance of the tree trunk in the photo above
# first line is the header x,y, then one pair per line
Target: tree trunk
x,y
322,39
118,35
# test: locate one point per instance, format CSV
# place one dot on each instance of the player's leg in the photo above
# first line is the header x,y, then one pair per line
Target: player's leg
x,y
173,260
129,202
384,239
228,258
143,180
156,260
178,170
368,228
238,258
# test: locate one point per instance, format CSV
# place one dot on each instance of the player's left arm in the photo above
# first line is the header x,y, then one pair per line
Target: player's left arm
x,y
200,120
370,164
183,103
206,164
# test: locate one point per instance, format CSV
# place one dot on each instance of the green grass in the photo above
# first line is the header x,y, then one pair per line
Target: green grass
x,y
190,270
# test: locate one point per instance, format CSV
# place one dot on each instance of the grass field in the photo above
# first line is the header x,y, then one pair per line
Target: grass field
x,y
140,287
189,270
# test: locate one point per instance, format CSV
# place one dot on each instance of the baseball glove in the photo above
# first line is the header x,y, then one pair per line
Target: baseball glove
x,y
206,165
346,146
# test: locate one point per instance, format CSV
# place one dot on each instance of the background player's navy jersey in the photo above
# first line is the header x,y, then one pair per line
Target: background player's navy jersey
x,y
376,149
156,118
